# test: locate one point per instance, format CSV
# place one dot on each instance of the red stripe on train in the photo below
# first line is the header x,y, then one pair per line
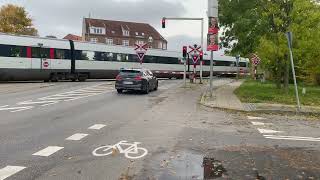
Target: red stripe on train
x,y
51,53
29,52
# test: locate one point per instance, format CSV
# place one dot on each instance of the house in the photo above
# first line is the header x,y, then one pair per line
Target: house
x,y
73,37
121,33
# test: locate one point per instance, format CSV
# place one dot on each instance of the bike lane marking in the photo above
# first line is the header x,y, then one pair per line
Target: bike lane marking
x,y
131,152
97,126
9,171
77,137
48,151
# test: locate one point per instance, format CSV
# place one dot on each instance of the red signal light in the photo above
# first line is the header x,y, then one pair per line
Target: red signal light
x,y
184,51
163,22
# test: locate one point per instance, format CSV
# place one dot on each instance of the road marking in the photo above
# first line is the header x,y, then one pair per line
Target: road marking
x,y
97,126
16,109
77,137
9,171
268,131
61,97
260,123
257,123
255,118
294,138
48,151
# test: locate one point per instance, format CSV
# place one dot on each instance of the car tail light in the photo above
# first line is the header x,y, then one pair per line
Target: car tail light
x,y
118,78
138,78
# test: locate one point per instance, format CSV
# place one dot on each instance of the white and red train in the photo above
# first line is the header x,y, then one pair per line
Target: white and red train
x,y
32,58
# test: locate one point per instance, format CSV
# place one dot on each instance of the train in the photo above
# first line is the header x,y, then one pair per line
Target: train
x,y
28,58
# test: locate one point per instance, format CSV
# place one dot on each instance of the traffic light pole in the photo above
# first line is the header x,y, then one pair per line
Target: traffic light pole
x,y
202,33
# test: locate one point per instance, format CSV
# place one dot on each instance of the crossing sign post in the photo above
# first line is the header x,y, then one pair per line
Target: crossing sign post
x,y
195,52
141,50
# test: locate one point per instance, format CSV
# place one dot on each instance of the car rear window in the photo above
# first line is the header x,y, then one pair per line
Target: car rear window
x,y
130,72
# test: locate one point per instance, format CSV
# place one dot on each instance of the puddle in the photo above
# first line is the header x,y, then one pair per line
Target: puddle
x,y
233,162
184,165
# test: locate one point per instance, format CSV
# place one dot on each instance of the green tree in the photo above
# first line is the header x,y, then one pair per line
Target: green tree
x,y
15,20
260,26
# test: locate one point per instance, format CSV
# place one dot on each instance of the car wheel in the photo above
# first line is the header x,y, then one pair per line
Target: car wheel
x,y
156,87
119,91
146,90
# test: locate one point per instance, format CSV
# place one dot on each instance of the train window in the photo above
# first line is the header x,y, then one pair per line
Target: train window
x,y
40,52
13,51
243,64
122,57
87,55
62,54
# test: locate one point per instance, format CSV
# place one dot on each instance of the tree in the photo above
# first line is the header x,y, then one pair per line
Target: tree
x,y
15,20
259,26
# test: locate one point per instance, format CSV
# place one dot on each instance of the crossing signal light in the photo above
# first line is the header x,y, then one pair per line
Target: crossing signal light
x,y
184,51
163,22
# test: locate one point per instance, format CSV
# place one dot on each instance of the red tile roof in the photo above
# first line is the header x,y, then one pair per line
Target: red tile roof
x,y
73,37
117,27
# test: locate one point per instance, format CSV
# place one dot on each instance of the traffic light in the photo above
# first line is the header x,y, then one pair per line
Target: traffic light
x,y
163,22
201,55
184,51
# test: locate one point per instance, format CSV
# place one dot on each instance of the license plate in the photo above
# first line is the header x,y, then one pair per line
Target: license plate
x,y
127,82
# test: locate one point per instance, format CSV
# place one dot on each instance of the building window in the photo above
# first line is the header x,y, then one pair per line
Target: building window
x,y
160,45
94,40
97,30
109,41
150,39
113,32
142,34
126,33
139,42
137,34
164,46
125,42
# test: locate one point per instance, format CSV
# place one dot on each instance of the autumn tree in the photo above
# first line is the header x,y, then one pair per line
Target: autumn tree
x,y
15,20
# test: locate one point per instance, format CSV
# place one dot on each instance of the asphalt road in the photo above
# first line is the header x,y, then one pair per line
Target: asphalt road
x,y
50,131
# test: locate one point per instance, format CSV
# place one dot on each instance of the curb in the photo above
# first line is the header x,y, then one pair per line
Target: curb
x,y
257,110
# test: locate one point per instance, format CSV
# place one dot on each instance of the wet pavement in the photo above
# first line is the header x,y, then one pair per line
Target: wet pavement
x,y
169,135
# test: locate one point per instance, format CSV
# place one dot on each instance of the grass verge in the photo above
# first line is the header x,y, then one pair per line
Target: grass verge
x,y
256,92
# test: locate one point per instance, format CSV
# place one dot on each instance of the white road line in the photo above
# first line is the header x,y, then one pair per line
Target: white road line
x,y
293,138
77,137
268,131
97,126
9,171
260,123
4,106
48,151
44,103
298,137
16,109
255,118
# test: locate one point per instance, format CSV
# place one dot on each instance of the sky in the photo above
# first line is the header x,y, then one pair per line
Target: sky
x,y
61,17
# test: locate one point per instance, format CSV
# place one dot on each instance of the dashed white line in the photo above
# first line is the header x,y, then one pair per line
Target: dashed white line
x,y
260,123
97,126
9,171
77,137
48,151
268,131
255,118
294,138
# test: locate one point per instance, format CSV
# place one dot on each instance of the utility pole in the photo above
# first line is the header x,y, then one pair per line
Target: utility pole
x,y
212,12
289,37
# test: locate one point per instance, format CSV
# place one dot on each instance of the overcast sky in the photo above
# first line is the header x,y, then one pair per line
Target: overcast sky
x,y
61,17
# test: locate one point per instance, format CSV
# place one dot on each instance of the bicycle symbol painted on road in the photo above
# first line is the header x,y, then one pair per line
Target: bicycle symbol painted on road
x,y
131,152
